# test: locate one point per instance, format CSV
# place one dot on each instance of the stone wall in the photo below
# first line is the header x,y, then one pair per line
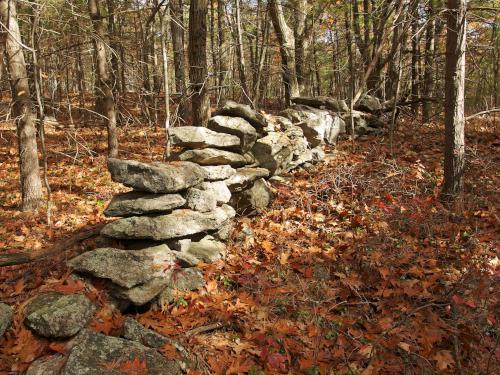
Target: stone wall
x,y
179,214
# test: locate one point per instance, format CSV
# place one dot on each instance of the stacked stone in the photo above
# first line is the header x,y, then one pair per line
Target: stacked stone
x,y
225,149
329,116
175,218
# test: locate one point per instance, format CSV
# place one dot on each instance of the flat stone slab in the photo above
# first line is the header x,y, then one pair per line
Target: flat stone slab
x,y
140,203
236,126
179,223
212,156
218,172
94,353
132,330
5,317
218,189
244,177
200,199
126,268
200,137
208,250
326,102
143,293
155,177
233,109
57,315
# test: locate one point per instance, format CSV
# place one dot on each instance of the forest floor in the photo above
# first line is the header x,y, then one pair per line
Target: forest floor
x,y
355,268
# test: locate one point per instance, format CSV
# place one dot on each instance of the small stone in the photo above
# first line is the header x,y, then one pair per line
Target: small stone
x,y
5,317
155,177
212,156
218,172
218,189
57,315
258,197
236,126
368,103
244,178
200,137
134,331
139,203
47,365
93,353
201,200
209,250
233,109
141,294
224,232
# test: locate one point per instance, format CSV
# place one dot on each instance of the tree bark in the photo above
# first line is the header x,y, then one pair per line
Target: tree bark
x,y
429,61
31,185
105,82
454,150
241,54
287,50
198,69
177,30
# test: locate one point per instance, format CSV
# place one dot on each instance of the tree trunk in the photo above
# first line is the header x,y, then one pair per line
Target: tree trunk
x,y
287,50
198,70
241,54
104,83
429,60
31,185
177,29
221,48
454,150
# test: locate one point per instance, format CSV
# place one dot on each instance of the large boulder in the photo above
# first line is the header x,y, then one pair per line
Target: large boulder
x,y
155,177
94,353
5,317
212,156
57,315
179,223
201,137
320,102
126,268
368,103
233,109
337,127
258,197
139,203
218,172
236,126
244,178
273,152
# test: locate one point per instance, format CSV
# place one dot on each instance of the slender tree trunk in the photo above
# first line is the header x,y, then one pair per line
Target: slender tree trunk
x,y
221,48
429,60
176,27
198,70
31,185
454,151
287,50
104,78
241,54
414,58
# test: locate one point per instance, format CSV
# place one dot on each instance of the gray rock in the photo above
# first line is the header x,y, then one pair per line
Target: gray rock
x,y
134,331
200,137
212,156
301,153
179,223
325,102
318,154
187,260
315,123
47,365
218,172
141,294
218,189
201,200
236,126
244,178
368,103
57,315
186,280
258,197
224,232
94,353
273,152
139,203
124,267
209,250
181,244
5,317
233,109
155,177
